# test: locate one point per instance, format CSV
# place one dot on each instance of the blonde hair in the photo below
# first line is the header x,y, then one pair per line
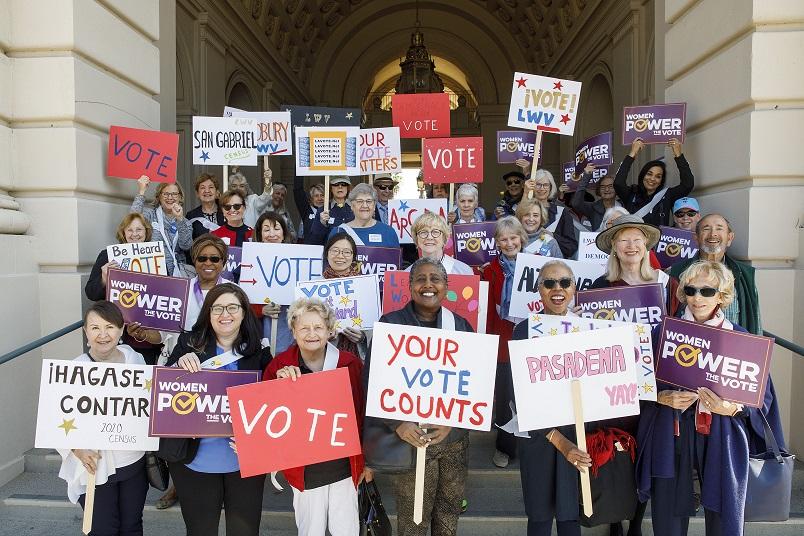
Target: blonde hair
x,y
708,270
311,305
613,268
543,173
431,220
525,206
126,221
513,225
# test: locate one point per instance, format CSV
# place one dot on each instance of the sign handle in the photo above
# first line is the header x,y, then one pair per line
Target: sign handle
x,y
371,179
89,504
265,167
537,149
225,180
274,328
326,193
451,201
580,436
418,490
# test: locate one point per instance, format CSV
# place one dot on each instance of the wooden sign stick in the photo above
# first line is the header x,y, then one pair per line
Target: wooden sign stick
x,y
89,504
225,181
580,439
274,335
418,490
326,193
371,179
537,149
451,201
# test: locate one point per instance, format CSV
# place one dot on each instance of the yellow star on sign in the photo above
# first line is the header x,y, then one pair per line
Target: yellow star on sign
x,y
337,324
68,425
648,388
576,329
640,330
553,331
344,300
148,384
535,318
357,321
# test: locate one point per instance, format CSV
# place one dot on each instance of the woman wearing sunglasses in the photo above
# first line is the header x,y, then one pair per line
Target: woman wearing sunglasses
x,y
512,194
234,232
697,430
430,234
206,471
549,460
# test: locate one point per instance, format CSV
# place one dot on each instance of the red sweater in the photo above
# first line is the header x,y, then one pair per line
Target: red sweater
x,y
230,235
494,324
290,357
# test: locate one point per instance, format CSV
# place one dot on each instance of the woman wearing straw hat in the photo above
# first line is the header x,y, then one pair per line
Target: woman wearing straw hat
x,y
628,242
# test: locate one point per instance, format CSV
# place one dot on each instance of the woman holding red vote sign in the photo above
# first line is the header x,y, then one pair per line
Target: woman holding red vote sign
x,y
714,439
324,494
120,479
205,471
542,188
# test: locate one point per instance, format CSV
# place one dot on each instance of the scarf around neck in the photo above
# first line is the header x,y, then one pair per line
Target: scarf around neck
x,y
507,266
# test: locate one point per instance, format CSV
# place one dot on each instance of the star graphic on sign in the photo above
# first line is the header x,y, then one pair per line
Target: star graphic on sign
x,y
576,329
553,331
640,330
337,324
565,118
521,81
68,425
536,318
648,388
557,85
148,384
204,155
349,115
403,206
344,300
357,321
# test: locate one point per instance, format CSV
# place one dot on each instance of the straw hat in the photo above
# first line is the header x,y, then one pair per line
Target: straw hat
x,y
627,221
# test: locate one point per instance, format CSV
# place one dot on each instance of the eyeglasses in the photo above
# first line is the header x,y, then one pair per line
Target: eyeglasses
x,y
366,202
211,258
233,206
512,182
386,187
435,233
344,252
686,213
706,292
542,186
232,309
171,194
564,282
606,187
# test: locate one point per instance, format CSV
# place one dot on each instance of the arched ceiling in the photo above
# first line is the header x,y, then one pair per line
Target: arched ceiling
x,y
336,47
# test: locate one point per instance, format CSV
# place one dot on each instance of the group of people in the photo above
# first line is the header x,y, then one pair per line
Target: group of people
x,y
713,289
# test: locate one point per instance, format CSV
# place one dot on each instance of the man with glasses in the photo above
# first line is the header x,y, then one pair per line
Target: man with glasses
x,y
686,213
384,184
715,235
514,181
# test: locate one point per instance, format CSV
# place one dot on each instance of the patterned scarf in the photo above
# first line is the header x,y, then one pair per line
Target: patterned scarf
x,y
343,343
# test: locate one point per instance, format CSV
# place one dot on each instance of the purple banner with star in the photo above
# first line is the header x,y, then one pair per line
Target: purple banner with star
x,y
639,303
732,364
355,300
657,123
194,404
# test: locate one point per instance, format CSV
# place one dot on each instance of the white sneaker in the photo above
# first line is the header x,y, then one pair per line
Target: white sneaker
x,y
500,459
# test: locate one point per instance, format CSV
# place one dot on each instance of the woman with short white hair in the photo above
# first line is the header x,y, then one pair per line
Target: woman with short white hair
x,y
610,215
364,229
466,210
430,234
324,494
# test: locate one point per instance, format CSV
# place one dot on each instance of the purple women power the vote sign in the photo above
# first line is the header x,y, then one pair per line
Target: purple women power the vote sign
x,y
378,260
675,245
656,123
515,144
595,150
733,364
474,243
155,301
194,404
639,303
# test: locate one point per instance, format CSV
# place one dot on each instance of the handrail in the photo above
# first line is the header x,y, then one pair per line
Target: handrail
x,y
40,342
784,343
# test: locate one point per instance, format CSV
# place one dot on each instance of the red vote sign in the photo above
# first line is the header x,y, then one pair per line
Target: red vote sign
x,y
422,115
134,152
281,424
453,160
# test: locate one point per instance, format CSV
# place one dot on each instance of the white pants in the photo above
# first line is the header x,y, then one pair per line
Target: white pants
x,y
332,507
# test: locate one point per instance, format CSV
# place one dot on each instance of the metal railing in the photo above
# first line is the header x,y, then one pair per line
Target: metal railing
x,y
784,343
40,342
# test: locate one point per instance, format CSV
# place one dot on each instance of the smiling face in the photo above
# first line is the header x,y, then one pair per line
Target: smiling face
x,y
278,197
385,190
701,307
233,210
317,197
226,324
135,232
514,186
556,300
686,218
431,246
205,266
102,336
467,205
271,232
237,182
714,236
509,244
629,245
543,186
310,332
207,193
653,178
532,219
428,288
169,195
606,188
363,208
340,255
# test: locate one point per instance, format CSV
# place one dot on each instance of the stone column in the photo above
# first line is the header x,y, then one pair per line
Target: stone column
x,y
743,82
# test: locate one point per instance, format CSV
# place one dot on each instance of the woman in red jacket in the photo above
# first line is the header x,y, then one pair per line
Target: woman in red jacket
x,y
324,494
511,237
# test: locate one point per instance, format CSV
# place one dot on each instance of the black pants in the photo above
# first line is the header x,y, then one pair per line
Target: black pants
x,y
563,528
119,502
503,388
201,496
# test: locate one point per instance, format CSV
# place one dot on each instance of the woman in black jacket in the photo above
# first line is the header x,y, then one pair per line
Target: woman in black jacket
x,y
208,476
649,198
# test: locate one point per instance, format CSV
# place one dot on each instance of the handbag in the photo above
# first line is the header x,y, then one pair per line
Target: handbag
x,y
177,449
157,471
614,494
373,517
383,450
770,481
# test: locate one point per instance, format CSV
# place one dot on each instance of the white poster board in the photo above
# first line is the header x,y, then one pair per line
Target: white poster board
x,y
270,272
544,103
403,212
432,376
98,406
327,151
224,141
145,257
380,150
355,300
272,132
543,369
587,249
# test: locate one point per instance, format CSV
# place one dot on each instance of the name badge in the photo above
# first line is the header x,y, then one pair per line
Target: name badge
x,y
311,216
375,238
226,240
331,221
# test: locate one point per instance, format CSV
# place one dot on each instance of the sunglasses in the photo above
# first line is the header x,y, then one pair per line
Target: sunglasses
x,y
211,258
233,206
384,187
687,213
706,292
512,182
564,282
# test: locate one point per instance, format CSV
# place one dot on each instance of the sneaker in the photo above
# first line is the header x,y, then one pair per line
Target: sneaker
x,y
500,459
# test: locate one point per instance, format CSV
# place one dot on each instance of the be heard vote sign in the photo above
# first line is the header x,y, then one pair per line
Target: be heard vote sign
x,y
270,272
453,160
147,257
355,300
656,123
734,365
155,301
543,369
544,103
327,151
432,375
99,406
134,152
637,303
282,424
421,115
272,133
